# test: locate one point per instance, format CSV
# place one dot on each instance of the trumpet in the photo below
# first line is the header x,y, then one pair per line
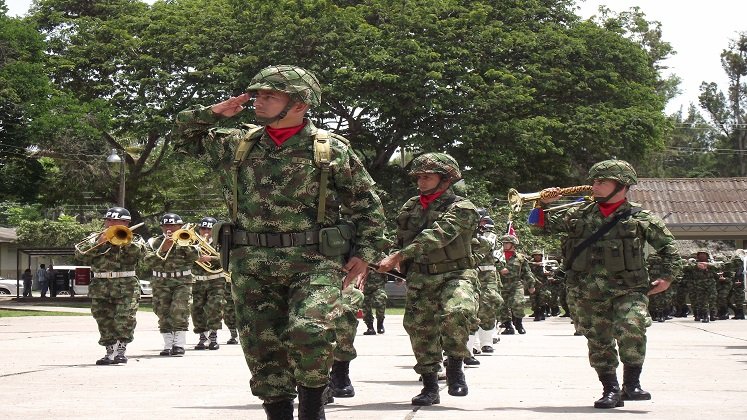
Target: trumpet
x,y
516,199
183,237
117,235
207,249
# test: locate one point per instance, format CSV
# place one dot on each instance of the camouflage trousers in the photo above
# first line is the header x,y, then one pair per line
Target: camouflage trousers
x,y
375,300
489,299
171,299
661,301
287,329
723,291
207,304
621,319
513,302
114,306
683,294
540,298
556,290
347,324
440,313
737,294
705,295
229,309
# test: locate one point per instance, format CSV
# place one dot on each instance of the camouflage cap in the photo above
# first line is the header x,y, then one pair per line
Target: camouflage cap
x,y
537,252
510,239
300,84
618,170
436,163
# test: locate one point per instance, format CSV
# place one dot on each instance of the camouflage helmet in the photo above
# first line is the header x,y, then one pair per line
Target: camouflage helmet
x,y
537,252
510,239
300,84
436,163
618,170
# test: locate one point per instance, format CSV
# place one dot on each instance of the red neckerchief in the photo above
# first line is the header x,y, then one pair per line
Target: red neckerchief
x,y
280,135
608,208
427,199
508,254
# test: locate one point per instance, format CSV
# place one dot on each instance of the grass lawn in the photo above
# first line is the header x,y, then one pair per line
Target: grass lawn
x,y
21,312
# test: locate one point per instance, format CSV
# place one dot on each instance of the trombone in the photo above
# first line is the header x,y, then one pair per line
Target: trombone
x,y
182,237
116,235
516,199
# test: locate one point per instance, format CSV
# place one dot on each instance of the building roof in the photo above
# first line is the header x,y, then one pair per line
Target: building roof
x,y
690,205
7,235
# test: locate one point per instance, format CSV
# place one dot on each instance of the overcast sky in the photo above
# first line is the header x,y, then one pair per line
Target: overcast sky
x,y
698,30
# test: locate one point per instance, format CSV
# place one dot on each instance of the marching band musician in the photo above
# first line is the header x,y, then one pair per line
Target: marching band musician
x,y
171,262
208,290
114,289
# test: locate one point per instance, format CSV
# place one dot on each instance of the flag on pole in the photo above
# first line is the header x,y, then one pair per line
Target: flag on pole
x,y
510,229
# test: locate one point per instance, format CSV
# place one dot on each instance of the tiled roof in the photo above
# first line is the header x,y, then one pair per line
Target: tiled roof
x,y
7,235
691,201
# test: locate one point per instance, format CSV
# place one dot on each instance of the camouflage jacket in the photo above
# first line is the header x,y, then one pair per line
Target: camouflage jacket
x,y
108,258
181,258
441,225
484,248
615,262
279,190
519,272
693,274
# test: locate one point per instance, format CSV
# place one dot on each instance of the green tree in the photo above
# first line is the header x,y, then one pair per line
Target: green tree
x,y
727,112
62,233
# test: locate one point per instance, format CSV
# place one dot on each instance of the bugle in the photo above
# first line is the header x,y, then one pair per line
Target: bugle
x,y
117,235
516,199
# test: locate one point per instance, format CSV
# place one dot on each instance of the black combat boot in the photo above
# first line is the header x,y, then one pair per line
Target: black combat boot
x,y
555,311
369,328
429,394
455,377
380,325
660,316
280,410
519,327
723,313
471,361
739,312
108,358
697,314
234,335
611,397
538,316
339,380
310,404
703,315
714,315
201,341
213,340
509,329
631,389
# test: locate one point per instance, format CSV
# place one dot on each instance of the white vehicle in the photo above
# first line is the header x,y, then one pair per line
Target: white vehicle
x,y
8,287
79,277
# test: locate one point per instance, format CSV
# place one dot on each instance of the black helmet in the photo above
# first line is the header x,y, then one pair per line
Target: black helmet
x,y
117,213
207,222
171,219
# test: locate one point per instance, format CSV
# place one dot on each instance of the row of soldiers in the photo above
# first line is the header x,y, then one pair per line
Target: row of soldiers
x,y
712,288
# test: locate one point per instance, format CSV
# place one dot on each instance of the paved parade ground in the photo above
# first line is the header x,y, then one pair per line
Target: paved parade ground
x,y
693,371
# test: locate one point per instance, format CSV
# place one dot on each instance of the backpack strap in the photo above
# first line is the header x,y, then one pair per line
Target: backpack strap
x,y
322,157
242,151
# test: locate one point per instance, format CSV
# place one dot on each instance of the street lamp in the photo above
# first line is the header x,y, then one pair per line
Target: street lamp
x,y
116,160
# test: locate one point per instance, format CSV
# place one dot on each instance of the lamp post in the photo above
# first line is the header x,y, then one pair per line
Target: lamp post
x,y
116,160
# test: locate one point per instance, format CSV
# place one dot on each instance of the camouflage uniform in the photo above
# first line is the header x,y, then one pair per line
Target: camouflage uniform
x,y
229,313
172,288
374,299
489,296
346,325
660,304
540,299
703,282
737,291
609,281
114,290
723,291
287,293
519,277
208,301
683,292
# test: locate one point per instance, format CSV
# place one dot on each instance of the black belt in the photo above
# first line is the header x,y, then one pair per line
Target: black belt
x,y
275,240
444,267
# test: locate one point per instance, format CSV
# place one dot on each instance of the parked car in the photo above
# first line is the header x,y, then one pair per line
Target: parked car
x,y
8,287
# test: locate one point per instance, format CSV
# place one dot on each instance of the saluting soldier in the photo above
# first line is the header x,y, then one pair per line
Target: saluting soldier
x,y
434,233
286,181
607,277
171,265
208,291
114,289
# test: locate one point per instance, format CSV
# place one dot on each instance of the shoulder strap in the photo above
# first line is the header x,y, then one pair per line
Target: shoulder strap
x,y
322,157
599,233
242,151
